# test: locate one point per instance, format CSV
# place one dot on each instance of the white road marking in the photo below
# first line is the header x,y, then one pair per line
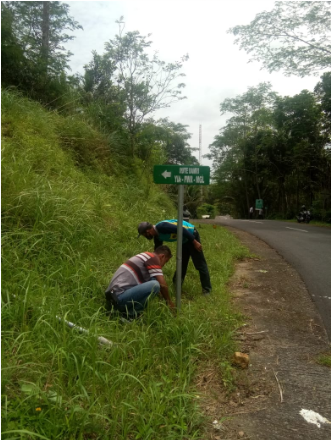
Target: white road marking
x,y
252,221
295,229
313,417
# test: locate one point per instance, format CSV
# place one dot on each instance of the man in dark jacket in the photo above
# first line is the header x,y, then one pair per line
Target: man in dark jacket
x,y
166,230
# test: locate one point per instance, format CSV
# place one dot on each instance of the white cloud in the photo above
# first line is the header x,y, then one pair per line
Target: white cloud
x,y
216,70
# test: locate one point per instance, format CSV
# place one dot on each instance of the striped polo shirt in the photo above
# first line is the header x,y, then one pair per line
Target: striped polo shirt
x,y
136,270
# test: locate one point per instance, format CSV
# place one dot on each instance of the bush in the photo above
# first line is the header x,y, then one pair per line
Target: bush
x,y
206,209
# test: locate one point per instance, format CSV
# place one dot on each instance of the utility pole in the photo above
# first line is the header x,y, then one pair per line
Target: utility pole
x,y
200,144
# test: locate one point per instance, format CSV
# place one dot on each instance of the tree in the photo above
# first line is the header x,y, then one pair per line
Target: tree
x,y
294,37
252,112
272,148
147,82
103,97
12,58
323,94
98,78
174,139
298,122
40,28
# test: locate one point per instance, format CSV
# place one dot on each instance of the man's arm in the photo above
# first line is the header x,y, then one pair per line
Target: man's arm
x,y
170,228
157,242
164,291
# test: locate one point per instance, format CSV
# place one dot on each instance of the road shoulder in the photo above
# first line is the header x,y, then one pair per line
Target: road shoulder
x,y
283,337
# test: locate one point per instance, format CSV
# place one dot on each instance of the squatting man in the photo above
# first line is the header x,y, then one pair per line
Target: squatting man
x,y
137,280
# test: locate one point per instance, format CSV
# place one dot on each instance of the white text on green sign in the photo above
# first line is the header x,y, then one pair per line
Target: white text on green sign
x,y
181,174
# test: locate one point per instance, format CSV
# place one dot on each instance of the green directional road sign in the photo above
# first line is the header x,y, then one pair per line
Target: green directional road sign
x,y
181,174
258,204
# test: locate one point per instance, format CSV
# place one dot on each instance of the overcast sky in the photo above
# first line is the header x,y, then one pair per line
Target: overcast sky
x,y
216,69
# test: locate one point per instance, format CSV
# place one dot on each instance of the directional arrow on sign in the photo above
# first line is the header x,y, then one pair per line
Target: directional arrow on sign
x,y
181,175
166,174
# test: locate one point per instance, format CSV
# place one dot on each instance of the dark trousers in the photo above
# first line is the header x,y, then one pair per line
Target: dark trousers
x,y
199,261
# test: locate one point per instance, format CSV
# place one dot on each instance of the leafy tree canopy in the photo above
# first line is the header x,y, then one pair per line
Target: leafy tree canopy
x,y
323,92
39,24
294,37
147,81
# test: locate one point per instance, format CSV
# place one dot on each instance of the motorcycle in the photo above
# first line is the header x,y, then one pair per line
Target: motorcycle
x,y
304,216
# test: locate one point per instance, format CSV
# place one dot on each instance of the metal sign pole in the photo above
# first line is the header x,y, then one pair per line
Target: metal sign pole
x,y
180,175
179,245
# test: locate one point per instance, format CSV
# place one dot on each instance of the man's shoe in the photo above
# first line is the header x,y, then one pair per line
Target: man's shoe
x,y
205,292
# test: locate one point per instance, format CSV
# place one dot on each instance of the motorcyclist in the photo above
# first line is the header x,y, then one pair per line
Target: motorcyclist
x,y
304,215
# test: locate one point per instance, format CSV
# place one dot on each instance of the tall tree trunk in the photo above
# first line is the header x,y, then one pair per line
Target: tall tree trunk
x,y
45,36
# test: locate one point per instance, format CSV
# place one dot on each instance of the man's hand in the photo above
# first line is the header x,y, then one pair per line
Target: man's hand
x,y
165,293
172,307
197,246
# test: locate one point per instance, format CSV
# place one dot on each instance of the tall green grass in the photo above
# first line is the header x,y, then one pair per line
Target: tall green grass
x,y
66,229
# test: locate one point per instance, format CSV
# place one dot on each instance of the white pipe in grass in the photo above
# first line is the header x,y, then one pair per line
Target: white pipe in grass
x,y
101,339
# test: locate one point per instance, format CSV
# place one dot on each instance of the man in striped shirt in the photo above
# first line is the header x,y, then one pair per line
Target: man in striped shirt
x,y
136,280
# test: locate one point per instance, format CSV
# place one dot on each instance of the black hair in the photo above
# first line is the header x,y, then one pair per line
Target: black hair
x,y
163,250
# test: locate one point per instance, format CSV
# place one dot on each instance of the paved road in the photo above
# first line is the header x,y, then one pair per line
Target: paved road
x,y
307,248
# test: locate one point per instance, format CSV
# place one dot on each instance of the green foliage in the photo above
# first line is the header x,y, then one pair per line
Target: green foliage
x,y
206,209
323,94
147,82
65,231
238,146
325,359
33,58
174,138
12,59
89,148
118,94
138,83
272,148
29,29
294,37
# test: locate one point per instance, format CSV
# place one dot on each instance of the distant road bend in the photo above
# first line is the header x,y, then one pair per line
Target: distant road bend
x,y
307,248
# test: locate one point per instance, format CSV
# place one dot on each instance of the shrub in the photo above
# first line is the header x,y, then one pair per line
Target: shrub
x,y
206,209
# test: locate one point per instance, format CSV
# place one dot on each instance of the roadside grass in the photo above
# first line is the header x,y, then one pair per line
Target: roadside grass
x,y
312,222
65,232
324,359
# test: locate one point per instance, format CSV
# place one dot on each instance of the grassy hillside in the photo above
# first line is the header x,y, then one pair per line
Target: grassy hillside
x,y
69,218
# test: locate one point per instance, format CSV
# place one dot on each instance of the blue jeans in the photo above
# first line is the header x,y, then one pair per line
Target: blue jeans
x,y
134,300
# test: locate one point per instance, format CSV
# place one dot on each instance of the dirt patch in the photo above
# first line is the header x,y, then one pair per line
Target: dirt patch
x,y
283,337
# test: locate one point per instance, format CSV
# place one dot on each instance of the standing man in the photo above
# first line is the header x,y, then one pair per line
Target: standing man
x,y
186,214
166,230
138,279
251,212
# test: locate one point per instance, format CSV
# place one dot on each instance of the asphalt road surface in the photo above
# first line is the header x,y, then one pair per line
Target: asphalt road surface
x,y
307,248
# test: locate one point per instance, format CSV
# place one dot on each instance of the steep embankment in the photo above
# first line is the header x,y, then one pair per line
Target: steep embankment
x,y
63,217
69,218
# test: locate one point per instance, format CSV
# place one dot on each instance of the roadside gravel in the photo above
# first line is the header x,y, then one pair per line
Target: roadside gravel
x,y
285,393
